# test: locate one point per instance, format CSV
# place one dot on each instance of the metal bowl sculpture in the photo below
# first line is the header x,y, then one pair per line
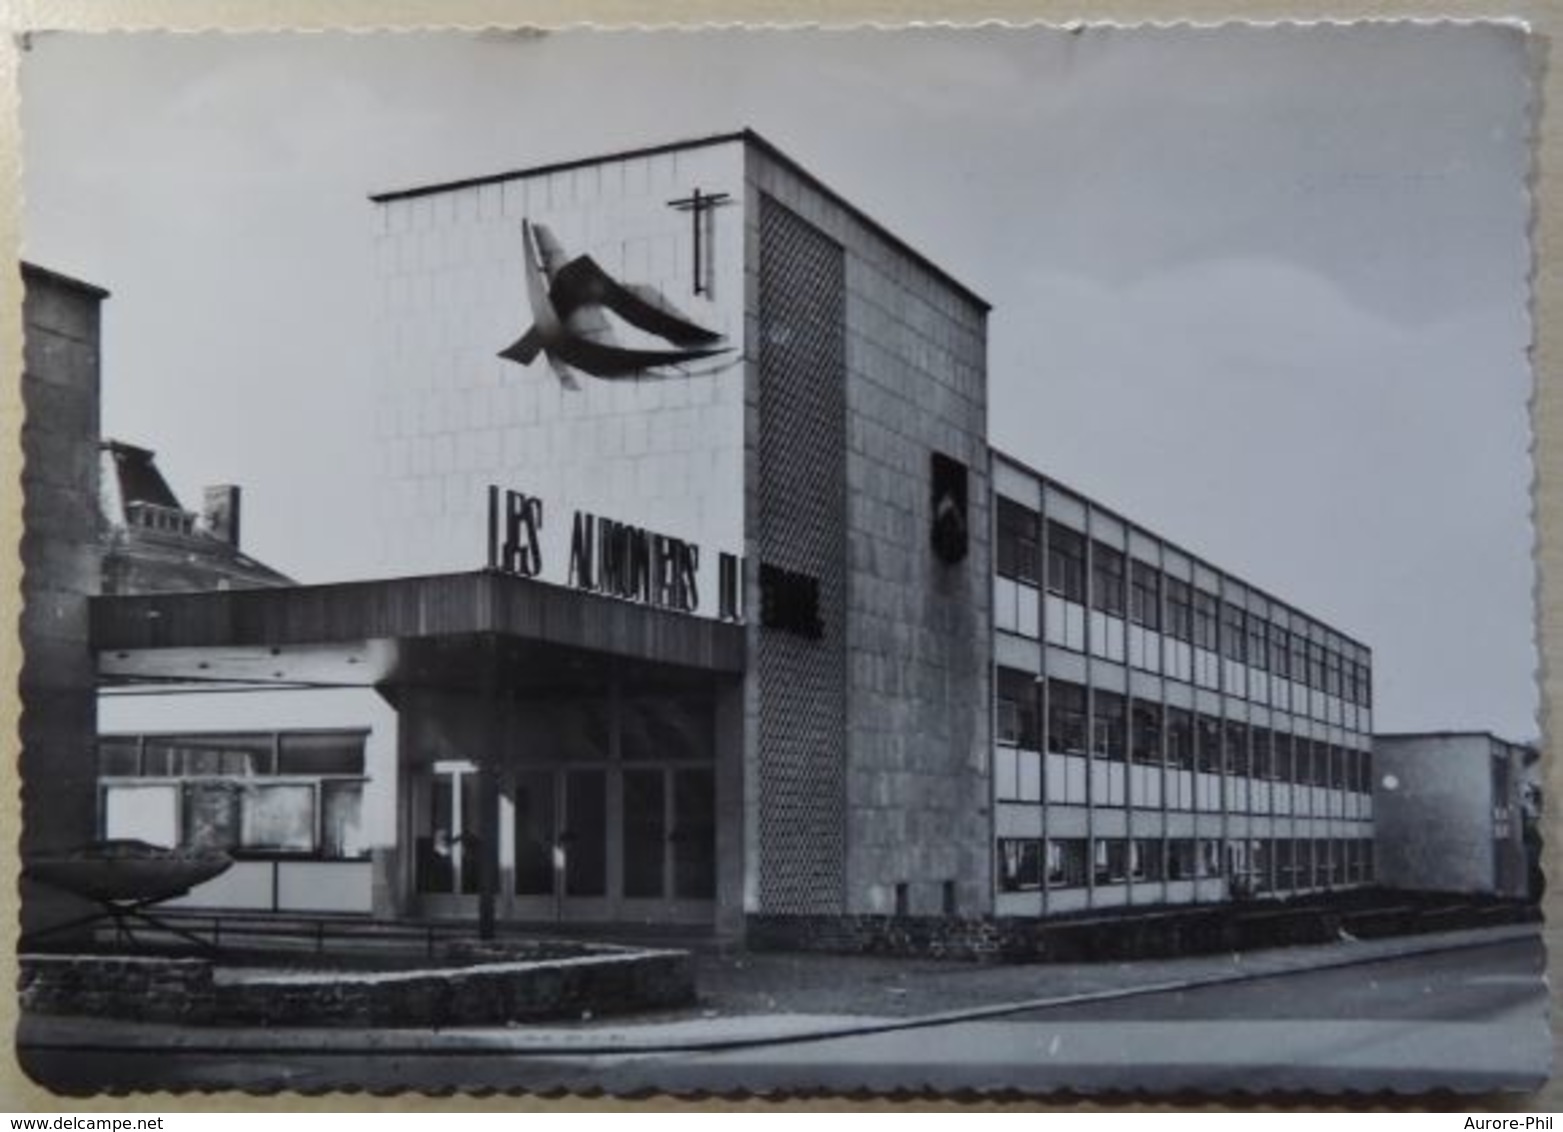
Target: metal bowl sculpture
x,y
124,877
127,871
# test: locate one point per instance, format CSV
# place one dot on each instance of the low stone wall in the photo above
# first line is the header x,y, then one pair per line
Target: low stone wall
x,y
483,995
152,989
192,992
1115,937
972,939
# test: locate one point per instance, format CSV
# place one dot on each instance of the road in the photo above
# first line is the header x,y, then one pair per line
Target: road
x,y
1473,1018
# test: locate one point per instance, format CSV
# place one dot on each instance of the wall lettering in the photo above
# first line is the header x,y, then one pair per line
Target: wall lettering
x,y
514,523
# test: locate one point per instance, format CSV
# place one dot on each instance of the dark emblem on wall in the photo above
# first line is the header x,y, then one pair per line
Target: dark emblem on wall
x,y
571,300
789,601
950,529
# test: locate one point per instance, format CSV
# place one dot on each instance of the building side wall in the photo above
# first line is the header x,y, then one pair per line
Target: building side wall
x,y
916,806
60,386
663,452
1435,826
1144,765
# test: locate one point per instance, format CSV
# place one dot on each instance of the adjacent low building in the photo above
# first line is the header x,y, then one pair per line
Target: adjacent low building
x,y
1451,808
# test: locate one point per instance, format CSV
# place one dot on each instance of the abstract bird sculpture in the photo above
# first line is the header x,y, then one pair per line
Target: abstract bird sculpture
x,y
570,326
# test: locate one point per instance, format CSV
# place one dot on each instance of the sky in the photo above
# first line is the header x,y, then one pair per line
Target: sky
x,y
1263,290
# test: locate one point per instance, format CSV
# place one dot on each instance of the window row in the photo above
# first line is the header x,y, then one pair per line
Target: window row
x,y
232,754
320,819
1260,865
1120,586
1106,725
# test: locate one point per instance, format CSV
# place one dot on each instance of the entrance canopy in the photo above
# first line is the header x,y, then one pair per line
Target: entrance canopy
x,y
471,631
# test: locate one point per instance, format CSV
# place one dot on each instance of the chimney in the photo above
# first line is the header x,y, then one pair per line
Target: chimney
x,y
220,513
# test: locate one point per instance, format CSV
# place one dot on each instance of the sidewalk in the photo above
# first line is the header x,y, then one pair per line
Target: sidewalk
x,y
758,999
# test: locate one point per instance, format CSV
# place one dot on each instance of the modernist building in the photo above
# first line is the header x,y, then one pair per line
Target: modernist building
x,y
1165,733
1451,807
703,598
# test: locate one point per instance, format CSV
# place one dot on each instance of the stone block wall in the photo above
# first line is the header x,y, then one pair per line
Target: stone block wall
x,y
147,989
186,991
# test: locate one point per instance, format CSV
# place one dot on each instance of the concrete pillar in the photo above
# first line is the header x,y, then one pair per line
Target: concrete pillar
x,y
60,562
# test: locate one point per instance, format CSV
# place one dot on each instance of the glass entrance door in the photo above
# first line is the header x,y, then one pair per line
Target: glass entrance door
x,y
447,863
668,842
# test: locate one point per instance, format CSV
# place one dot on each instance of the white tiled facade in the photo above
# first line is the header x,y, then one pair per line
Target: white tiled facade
x,y
452,417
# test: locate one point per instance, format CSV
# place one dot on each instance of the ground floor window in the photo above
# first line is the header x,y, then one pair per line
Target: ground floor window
x,y
1148,859
1111,860
253,793
1020,864
1066,862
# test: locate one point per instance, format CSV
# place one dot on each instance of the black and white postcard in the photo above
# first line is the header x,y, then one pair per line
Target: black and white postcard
x,y
991,559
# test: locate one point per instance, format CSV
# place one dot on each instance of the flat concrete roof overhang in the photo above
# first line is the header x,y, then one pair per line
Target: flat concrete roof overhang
x,y
474,631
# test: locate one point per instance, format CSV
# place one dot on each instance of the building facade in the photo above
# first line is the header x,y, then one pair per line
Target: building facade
x,y
1165,733
704,599
1451,809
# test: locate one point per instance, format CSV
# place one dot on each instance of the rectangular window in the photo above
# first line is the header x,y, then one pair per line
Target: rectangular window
x,y
1020,864
1280,652
1258,642
1145,733
1206,613
341,823
211,814
1332,681
1316,666
1108,725
190,756
321,753
119,756
1209,857
1237,748
1259,752
1148,859
1299,659
1208,736
1016,551
1066,862
1365,763
1107,579
1180,738
1065,717
1182,860
1065,562
1145,595
1111,864
1016,715
1234,633
142,812
1180,610
278,818
1281,755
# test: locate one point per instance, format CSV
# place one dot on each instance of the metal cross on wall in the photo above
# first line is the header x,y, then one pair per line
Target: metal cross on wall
x,y
698,204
